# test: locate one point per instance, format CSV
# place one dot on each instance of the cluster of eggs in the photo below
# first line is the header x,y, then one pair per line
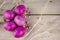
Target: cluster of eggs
x,y
15,21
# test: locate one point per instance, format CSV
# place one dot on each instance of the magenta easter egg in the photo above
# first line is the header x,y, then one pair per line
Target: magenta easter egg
x,y
20,21
20,9
8,14
9,26
19,32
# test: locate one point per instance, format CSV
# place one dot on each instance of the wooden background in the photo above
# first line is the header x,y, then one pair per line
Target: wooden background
x,y
42,27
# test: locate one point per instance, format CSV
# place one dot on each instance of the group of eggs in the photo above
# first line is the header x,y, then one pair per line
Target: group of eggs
x,y
15,21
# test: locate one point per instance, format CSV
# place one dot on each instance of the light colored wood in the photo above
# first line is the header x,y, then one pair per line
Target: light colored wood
x,y
42,27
